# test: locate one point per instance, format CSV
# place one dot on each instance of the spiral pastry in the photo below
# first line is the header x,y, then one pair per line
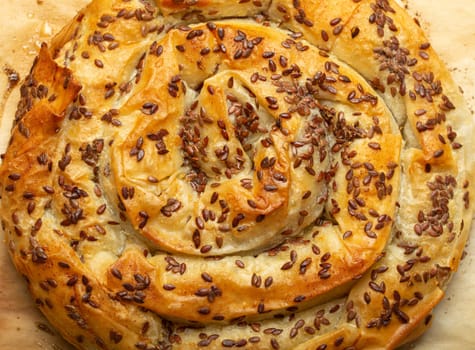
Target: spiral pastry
x,y
238,174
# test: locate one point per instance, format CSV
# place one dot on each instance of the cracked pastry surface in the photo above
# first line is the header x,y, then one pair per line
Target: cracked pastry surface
x,y
296,179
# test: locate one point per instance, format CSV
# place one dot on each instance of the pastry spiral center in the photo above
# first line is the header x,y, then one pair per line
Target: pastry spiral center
x,y
225,155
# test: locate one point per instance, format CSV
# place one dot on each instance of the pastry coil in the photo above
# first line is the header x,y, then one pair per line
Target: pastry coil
x,y
254,174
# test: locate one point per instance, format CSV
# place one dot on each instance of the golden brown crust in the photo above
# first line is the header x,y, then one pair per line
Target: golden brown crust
x,y
177,182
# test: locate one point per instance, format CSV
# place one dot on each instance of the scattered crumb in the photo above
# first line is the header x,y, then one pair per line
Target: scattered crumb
x,y
12,76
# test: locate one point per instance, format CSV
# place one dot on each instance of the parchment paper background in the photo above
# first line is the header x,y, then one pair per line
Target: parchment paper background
x,y
450,25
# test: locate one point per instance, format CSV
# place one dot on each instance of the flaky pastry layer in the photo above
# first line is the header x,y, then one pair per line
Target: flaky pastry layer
x,y
215,174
